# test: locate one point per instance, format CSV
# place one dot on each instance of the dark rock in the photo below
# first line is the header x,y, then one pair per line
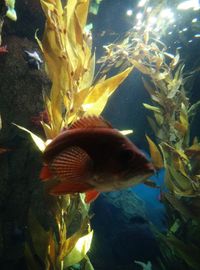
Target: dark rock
x,y
122,232
21,98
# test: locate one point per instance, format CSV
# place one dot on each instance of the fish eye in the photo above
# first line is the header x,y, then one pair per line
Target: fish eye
x,y
126,155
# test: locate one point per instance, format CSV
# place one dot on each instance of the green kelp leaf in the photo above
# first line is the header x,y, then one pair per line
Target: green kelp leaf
x,y
37,140
150,90
145,266
126,132
185,251
79,251
39,236
11,13
153,124
87,265
175,61
179,72
152,108
159,118
155,154
70,242
0,123
183,207
31,263
192,110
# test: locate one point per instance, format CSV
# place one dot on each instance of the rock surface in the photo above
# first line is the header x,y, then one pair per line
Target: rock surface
x,y
122,232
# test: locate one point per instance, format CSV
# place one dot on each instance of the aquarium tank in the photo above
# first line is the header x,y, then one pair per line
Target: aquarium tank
x,y
99,134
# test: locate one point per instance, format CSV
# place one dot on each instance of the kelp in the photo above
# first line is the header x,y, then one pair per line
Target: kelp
x,y
75,92
171,111
71,66
11,13
2,149
170,117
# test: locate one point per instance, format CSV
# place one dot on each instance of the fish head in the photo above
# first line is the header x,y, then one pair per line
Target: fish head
x,y
134,167
128,166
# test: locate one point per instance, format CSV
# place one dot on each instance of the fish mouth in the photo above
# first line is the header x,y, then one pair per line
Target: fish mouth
x,y
144,171
149,168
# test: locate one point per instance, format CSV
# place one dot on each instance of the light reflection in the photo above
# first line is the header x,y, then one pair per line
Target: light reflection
x,y
190,41
139,16
167,13
129,12
152,21
142,3
149,9
189,4
197,36
185,29
194,20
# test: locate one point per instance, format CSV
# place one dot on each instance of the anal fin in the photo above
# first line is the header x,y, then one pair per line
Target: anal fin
x,y
91,195
62,188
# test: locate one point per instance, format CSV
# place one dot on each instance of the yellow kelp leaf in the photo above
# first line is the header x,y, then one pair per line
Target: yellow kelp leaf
x,y
182,183
52,247
184,117
99,93
195,148
88,75
79,251
151,108
180,128
159,76
155,154
37,140
50,134
50,6
140,67
97,107
82,12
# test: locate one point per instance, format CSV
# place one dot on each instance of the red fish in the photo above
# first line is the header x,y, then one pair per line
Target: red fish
x,y
93,157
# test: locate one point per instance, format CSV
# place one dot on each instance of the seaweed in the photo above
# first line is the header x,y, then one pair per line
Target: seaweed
x,y
170,117
70,65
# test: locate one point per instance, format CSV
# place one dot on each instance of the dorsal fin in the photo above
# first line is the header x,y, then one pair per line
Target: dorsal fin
x,y
90,122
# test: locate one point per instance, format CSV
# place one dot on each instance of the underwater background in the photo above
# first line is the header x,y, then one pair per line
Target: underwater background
x,y
130,226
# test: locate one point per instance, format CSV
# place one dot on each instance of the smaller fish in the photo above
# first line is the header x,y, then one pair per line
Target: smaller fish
x,y
33,59
92,157
3,49
4,150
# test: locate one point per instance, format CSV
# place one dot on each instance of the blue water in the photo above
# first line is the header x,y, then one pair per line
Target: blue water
x,y
155,210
